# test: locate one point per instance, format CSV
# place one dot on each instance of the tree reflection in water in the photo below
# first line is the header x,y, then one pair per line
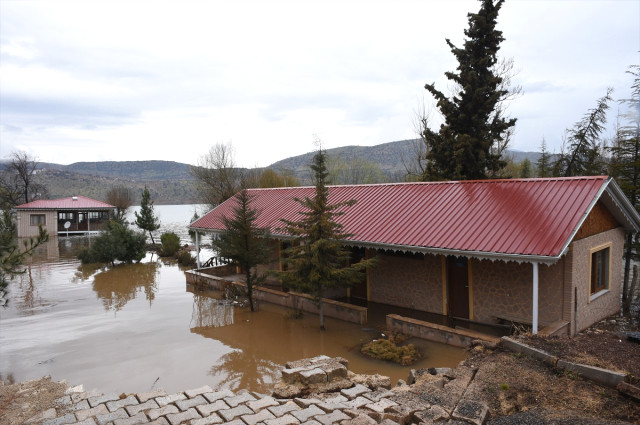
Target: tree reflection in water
x,y
210,312
242,369
119,285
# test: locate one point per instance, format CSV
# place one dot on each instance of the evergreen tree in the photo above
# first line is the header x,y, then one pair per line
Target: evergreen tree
x,y
470,142
543,165
317,259
625,168
147,220
11,256
115,242
525,169
243,242
584,154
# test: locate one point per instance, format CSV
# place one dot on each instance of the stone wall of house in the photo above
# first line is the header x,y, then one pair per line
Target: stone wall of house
x,y
592,309
412,282
505,289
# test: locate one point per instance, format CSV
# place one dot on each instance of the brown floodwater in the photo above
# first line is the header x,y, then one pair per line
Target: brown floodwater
x,y
136,327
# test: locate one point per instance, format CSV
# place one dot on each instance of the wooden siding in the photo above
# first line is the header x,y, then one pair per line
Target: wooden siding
x,y
599,220
25,229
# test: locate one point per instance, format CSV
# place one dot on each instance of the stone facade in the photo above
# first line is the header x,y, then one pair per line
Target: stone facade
x,y
408,281
505,289
594,308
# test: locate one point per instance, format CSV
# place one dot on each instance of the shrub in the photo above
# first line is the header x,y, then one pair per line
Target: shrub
x,y
116,242
184,258
384,349
170,244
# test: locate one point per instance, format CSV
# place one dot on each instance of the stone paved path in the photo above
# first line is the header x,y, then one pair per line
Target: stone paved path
x,y
435,399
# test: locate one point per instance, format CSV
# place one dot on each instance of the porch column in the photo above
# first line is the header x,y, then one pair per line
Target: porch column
x,y
534,325
88,223
197,250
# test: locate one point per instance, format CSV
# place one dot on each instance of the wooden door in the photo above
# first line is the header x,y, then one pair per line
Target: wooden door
x,y
458,286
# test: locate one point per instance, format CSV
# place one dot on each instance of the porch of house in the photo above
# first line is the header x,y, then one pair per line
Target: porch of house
x,y
75,222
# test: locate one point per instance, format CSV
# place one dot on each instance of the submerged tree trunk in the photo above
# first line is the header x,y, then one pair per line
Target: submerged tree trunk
x,y
249,283
322,328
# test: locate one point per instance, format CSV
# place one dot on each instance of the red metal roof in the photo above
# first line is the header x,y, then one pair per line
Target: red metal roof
x,y
519,217
70,203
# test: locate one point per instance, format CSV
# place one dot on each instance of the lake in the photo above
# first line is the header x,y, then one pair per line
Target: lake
x,y
136,327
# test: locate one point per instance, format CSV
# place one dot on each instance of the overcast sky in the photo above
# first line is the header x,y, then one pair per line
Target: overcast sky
x,y
140,80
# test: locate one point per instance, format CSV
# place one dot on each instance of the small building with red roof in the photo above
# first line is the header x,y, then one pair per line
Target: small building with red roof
x,y
545,252
66,216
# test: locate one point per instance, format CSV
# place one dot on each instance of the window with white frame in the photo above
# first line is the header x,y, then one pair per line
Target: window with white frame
x,y
600,269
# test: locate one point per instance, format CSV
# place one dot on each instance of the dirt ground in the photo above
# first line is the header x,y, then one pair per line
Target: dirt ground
x,y
22,401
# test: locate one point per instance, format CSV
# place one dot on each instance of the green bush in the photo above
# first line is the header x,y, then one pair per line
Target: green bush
x,y
170,244
184,258
115,243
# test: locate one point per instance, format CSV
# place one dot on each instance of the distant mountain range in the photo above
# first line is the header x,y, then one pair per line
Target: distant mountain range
x,y
172,182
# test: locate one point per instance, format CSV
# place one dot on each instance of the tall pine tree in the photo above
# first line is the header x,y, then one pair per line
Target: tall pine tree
x,y
147,219
470,142
543,164
318,260
243,242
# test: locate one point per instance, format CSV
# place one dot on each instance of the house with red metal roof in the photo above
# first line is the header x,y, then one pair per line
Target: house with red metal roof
x,y
66,216
544,252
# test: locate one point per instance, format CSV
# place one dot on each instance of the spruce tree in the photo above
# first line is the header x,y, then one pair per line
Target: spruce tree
x,y
469,143
584,155
625,168
147,220
317,259
543,165
243,242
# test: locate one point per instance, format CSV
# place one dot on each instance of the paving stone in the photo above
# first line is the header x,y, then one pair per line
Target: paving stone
x,y
229,414
198,391
163,401
100,409
75,389
471,411
339,398
381,405
334,371
361,419
143,397
331,418
284,420
160,421
283,409
165,410
84,404
47,414
309,412
110,417
262,403
118,404
306,402
149,404
69,418
261,416
235,422
378,394
217,395
433,414
88,421
178,418
138,419
238,399
189,403
355,391
329,406
207,409
94,401
211,419
64,401
357,402
311,422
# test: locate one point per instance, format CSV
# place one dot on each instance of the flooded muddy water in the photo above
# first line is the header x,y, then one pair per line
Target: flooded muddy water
x,y
136,327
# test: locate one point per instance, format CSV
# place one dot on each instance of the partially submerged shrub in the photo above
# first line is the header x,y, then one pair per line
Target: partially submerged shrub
x,y
384,349
170,244
185,258
115,242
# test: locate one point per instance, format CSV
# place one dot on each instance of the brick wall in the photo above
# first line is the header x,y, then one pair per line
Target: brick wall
x,y
412,282
591,310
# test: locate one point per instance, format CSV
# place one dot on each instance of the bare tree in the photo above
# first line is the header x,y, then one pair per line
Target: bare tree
x,y
121,198
18,182
216,174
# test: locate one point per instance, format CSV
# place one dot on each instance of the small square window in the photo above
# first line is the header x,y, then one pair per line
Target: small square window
x,y
37,219
600,270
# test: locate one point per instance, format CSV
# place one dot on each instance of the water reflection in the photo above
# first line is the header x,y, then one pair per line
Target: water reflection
x,y
119,285
242,369
210,312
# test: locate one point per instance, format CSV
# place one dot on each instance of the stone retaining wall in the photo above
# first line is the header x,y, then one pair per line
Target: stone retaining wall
x,y
331,308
